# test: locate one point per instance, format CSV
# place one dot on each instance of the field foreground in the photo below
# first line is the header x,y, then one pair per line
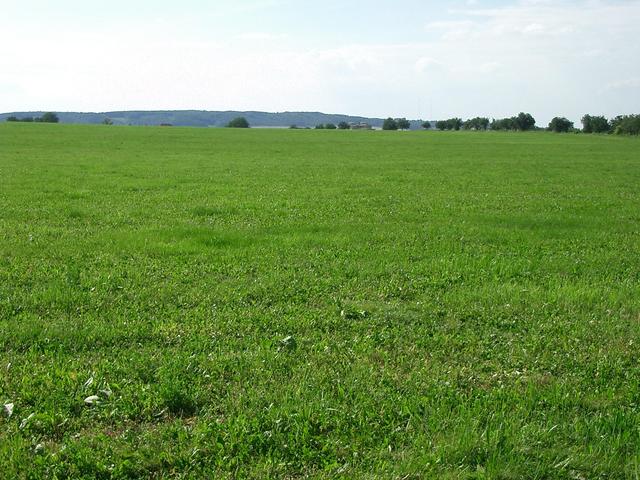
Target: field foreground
x,y
324,304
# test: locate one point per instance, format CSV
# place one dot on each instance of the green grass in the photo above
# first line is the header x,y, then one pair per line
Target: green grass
x,y
292,304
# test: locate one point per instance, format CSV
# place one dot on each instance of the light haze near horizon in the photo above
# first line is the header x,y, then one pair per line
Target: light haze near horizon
x,y
416,59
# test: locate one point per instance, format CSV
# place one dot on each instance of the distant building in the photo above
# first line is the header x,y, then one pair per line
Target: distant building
x,y
360,126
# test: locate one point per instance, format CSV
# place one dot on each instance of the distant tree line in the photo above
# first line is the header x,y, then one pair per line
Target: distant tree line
x,y
620,125
623,124
450,124
521,122
239,122
48,117
396,124
343,126
477,123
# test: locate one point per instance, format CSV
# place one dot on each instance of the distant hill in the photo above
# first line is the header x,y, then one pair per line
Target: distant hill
x,y
203,118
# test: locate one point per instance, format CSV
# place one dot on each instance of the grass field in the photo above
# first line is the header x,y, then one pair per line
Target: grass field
x,y
323,304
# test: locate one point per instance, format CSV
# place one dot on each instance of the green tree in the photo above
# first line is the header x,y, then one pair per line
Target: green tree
x,y
626,125
330,126
13,118
524,121
403,124
320,126
390,124
455,123
450,124
502,124
426,125
600,124
477,123
595,124
560,125
344,126
48,117
107,121
239,122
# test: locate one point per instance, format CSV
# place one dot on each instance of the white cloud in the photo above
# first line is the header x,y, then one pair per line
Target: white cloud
x,y
450,24
427,64
533,28
261,36
622,84
489,67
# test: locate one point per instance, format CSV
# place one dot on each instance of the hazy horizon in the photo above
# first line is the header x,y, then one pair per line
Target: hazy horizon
x,y
417,60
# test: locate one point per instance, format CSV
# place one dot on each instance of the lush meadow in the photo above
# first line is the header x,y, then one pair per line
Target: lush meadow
x,y
323,304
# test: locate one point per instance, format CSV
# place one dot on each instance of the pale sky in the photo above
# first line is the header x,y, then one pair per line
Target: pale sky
x,y
411,58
